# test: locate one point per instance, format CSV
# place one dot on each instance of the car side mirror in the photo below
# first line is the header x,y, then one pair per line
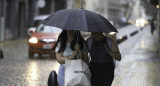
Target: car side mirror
x,y
31,31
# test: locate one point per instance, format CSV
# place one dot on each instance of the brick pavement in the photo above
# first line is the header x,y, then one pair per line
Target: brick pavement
x,y
141,66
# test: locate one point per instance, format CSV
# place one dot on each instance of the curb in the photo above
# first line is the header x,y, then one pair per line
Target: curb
x,y
125,37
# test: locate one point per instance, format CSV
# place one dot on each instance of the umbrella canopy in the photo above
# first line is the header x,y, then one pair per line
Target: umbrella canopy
x,y
79,19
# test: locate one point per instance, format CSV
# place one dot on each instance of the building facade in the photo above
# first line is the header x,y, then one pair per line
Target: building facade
x,y
110,9
17,15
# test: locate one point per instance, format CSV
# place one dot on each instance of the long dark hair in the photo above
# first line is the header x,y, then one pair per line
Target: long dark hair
x,y
63,39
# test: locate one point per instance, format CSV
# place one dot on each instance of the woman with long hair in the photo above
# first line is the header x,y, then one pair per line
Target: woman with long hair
x,y
70,45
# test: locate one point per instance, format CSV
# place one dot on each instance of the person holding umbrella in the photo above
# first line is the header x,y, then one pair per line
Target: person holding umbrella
x,y
85,20
102,50
70,45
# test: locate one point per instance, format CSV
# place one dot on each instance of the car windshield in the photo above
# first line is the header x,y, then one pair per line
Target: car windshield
x,y
48,29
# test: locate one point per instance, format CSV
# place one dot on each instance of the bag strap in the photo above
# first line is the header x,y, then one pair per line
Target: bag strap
x,y
109,42
89,41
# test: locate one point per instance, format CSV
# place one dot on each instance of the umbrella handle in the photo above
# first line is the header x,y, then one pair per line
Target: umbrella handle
x,y
77,36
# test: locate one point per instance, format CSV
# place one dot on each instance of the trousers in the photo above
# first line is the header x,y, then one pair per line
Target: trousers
x,y
101,74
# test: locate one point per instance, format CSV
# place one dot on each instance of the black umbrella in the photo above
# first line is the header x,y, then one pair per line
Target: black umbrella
x,y
79,19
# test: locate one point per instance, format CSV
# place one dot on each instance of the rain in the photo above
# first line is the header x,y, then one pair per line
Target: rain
x,y
26,44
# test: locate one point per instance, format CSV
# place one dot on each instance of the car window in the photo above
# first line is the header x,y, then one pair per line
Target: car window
x,y
56,30
48,29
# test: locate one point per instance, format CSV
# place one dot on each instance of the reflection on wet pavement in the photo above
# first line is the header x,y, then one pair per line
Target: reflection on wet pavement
x,y
32,75
142,44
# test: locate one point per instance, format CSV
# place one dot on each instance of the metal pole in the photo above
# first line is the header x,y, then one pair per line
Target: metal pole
x,y
78,35
159,26
81,4
2,19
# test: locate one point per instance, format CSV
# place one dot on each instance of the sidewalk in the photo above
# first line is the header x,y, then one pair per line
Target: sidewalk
x,y
141,66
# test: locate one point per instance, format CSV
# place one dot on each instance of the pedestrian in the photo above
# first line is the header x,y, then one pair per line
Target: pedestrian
x,y
70,45
102,50
152,26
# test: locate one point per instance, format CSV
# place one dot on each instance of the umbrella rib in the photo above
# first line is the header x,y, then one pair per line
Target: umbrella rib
x,y
85,20
68,17
104,21
80,18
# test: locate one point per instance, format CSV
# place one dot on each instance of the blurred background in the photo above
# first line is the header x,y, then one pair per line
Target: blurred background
x,y
16,16
19,40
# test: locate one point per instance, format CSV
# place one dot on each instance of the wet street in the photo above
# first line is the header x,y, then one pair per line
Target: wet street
x,y
16,69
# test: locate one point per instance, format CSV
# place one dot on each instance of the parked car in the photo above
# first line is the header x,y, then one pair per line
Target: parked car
x,y
43,40
36,22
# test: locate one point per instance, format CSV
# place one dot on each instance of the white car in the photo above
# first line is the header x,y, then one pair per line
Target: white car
x,y
36,22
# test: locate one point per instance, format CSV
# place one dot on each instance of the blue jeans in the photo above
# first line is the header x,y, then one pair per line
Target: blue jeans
x,y
61,75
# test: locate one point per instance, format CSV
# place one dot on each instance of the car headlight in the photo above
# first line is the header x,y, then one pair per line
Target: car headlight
x,y
33,40
111,33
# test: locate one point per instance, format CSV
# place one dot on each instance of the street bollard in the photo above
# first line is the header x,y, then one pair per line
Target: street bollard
x,y
121,40
52,80
1,54
133,33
